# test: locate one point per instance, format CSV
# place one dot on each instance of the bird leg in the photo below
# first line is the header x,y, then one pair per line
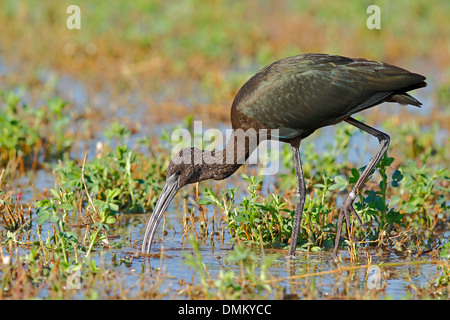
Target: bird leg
x,y
300,195
347,206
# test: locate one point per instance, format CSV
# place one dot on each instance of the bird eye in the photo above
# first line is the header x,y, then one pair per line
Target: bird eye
x,y
178,172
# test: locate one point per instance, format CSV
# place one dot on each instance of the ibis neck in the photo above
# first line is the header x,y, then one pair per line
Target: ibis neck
x,y
237,150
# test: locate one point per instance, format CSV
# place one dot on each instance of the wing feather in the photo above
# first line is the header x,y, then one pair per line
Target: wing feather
x,y
306,92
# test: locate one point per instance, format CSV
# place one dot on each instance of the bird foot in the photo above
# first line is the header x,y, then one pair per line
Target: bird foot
x,y
347,206
344,211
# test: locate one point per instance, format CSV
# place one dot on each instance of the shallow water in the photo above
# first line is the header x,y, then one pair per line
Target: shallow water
x,y
392,282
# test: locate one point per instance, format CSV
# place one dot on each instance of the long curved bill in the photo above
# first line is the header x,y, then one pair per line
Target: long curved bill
x,y
168,193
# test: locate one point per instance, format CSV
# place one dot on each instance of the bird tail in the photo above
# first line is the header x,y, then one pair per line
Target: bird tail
x,y
404,99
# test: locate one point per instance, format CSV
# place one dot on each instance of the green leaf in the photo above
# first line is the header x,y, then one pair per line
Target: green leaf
x,y
113,207
397,175
112,193
340,180
66,206
355,176
110,220
42,203
445,251
54,193
99,203
93,266
340,183
334,187
204,201
42,216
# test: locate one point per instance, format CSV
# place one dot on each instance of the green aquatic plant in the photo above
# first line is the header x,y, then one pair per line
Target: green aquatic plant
x,y
30,135
386,208
268,220
425,191
137,176
375,204
251,220
249,282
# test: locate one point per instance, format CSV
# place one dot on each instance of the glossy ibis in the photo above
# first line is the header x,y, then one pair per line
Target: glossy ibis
x,y
290,99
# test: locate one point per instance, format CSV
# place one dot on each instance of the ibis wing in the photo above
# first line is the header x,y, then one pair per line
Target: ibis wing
x,y
306,92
